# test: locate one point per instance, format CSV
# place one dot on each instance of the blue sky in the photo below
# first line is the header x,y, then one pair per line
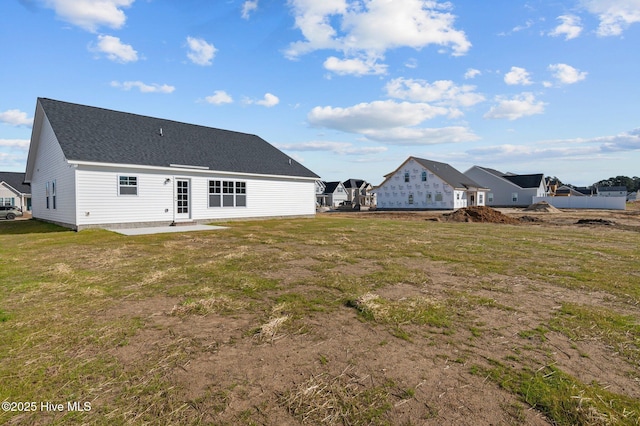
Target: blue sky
x,y
349,88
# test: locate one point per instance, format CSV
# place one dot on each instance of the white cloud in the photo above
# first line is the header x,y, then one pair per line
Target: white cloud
x,y
200,52
519,106
526,26
91,14
441,92
471,73
15,117
18,144
143,87
357,67
390,122
615,16
115,49
371,28
560,149
268,101
409,136
219,97
375,115
566,74
570,27
517,75
248,7
342,148
13,154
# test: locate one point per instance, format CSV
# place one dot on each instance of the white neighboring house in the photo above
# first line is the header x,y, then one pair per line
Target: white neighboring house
x,y
335,193
13,191
509,189
421,184
91,167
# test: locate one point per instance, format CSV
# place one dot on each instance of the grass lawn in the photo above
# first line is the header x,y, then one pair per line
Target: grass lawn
x,y
329,320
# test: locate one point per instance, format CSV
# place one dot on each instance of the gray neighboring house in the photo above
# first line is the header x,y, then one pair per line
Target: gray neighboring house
x,y
509,189
14,192
93,167
611,191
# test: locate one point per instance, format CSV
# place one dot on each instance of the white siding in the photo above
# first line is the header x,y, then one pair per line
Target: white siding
x,y
100,204
395,193
50,166
10,197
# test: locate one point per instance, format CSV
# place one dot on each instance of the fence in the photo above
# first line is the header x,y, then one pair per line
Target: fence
x,y
606,203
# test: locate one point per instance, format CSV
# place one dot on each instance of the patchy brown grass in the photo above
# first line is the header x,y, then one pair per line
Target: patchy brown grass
x,y
343,319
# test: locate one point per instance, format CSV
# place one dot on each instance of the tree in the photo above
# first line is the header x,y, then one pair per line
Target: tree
x,y
632,184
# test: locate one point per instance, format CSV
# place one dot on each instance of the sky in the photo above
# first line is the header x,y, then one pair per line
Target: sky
x,y
349,88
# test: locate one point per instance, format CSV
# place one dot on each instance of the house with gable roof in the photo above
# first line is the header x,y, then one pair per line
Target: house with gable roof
x,y
13,191
509,189
334,194
359,192
94,167
421,184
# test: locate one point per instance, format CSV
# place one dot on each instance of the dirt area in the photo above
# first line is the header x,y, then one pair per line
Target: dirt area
x,y
335,358
540,213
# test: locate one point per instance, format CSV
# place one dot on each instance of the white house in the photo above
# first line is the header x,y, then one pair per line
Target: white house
x,y
334,193
93,167
13,191
425,184
508,189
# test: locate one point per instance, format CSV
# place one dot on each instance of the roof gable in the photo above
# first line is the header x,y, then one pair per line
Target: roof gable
x,y
90,134
525,181
330,187
15,181
448,174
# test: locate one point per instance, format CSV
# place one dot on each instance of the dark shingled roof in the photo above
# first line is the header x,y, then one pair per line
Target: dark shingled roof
x,y
525,181
16,181
100,135
447,173
330,187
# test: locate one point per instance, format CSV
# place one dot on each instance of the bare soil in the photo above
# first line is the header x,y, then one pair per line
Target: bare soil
x,y
249,377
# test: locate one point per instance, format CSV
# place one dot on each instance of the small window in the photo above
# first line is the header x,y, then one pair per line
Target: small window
x,y
429,197
128,185
215,193
490,197
406,176
47,195
53,194
424,176
439,196
410,198
227,193
457,195
514,197
241,194
480,199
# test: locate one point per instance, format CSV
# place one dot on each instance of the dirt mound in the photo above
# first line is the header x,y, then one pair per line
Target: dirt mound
x,y
542,206
595,222
479,214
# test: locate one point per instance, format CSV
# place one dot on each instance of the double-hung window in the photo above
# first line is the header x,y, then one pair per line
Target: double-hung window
x,y
127,185
227,193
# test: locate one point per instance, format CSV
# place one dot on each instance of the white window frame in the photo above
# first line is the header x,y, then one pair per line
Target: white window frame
x,y
130,182
226,193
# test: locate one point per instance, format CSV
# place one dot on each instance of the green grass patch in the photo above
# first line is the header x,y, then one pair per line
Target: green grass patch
x,y
598,324
564,399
